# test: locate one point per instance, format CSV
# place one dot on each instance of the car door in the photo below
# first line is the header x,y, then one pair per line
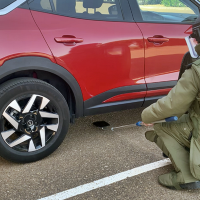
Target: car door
x,y
163,24
97,44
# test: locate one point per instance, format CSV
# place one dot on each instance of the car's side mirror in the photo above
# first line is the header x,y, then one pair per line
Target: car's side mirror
x,y
113,10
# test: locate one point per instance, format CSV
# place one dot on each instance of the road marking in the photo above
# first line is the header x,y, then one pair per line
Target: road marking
x,y
107,180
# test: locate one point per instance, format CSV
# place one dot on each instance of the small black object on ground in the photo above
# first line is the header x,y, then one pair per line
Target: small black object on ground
x,y
101,124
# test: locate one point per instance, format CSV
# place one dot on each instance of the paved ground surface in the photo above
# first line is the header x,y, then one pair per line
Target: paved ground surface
x,y
88,154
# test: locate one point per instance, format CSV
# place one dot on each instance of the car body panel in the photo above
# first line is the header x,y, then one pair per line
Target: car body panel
x,y
21,37
163,60
109,57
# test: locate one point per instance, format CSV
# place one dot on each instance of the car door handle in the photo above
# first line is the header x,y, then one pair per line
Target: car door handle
x,y
68,40
158,39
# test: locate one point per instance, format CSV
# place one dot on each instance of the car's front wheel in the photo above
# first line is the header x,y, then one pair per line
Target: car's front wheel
x,y
34,119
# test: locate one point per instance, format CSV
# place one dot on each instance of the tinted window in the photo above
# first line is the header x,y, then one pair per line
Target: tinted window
x,y
88,9
4,3
179,11
41,5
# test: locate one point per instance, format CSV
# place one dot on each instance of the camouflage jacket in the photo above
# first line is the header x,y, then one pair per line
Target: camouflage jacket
x,y
183,97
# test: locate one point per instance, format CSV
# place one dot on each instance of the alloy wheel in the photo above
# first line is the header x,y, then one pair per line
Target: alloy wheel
x,y
29,123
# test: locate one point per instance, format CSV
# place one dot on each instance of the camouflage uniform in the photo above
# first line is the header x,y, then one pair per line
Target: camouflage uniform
x,y
179,140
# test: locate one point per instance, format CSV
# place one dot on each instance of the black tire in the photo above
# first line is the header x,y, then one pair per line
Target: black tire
x,y
30,122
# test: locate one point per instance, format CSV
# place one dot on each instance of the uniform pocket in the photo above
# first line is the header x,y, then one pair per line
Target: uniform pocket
x,y
181,132
185,130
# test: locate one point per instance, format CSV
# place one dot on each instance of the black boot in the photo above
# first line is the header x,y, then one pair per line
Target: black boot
x,y
164,155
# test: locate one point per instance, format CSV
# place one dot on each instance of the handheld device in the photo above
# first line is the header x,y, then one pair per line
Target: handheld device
x,y
194,38
191,43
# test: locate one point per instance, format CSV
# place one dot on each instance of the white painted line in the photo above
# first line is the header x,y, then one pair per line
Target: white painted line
x,y
107,180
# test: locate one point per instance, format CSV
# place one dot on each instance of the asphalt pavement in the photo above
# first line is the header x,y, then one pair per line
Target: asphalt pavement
x,y
89,154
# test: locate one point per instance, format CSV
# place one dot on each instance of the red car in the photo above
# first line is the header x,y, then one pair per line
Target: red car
x,y
64,59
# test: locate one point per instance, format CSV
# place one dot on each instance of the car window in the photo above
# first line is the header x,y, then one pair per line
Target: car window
x,y
41,5
177,11
4,3
88,9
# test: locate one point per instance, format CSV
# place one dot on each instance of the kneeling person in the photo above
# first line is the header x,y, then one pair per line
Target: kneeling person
x,y
179,140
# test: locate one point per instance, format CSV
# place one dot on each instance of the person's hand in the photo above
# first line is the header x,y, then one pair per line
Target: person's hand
x,y
148,125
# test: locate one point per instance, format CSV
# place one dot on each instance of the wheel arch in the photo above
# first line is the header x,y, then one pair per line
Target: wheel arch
x,y
24,66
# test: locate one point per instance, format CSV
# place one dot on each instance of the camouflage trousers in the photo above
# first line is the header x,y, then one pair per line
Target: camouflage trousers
x,y
173,138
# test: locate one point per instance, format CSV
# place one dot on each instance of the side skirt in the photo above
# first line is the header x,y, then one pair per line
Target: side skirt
x,y
96,105
114,106
100,104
